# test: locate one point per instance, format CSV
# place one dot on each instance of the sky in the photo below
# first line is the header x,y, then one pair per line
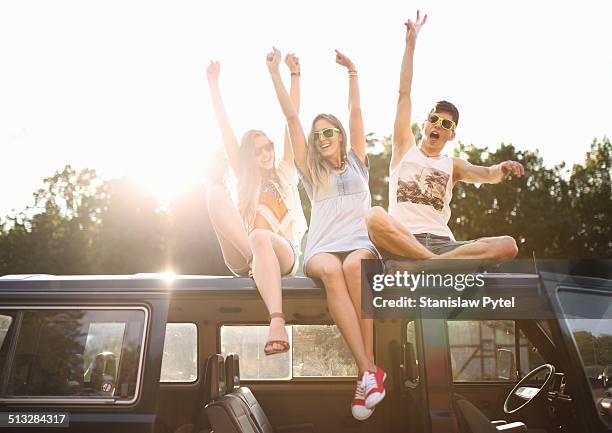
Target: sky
x,y
120,86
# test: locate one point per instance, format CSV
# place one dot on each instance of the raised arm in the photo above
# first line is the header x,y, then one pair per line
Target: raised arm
x,y
356,130
403,138
229,138
464,171
296,133
293,63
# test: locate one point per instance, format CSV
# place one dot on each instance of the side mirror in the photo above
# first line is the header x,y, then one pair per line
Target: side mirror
x,y
505,364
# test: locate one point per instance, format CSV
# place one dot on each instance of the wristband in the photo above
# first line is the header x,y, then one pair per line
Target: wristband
x,y
295,73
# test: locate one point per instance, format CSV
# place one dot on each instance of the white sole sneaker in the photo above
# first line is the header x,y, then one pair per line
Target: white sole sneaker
x,y
373,399
361,413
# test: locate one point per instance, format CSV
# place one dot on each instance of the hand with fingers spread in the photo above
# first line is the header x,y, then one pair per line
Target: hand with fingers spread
x,y
512,167
342,60
414,27
212,72
273,59
293,62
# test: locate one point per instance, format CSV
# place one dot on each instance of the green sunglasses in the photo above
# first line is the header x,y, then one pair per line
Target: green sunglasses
x,y
327,133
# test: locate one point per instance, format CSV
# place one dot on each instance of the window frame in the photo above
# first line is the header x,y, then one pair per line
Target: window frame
x,y
184,383
303,379
106,401
418,350
517,354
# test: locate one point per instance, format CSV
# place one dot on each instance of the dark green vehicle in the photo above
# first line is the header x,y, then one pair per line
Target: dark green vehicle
x,y
155,353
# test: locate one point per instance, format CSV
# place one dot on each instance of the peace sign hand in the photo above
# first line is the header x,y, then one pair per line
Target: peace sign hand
x,y
414,27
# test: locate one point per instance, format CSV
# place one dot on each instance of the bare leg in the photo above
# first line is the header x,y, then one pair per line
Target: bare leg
x,y
389,234
494,248
352,275
328,268
272,256
229,227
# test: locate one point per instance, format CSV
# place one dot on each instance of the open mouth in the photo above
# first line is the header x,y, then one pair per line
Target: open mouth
x,y
434,134
324,145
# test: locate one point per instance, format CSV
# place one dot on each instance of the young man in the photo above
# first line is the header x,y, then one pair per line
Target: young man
x,y
421,182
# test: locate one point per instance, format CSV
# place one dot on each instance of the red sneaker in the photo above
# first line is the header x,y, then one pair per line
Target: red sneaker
x,y
358,407
374,387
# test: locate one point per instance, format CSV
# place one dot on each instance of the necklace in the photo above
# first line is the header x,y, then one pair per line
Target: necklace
x,y
438,156
341,168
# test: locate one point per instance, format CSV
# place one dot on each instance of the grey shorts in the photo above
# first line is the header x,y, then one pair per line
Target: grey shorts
x,y
246,272
439,244
434,243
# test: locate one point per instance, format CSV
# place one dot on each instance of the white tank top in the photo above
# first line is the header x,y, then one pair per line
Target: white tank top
x,y
420,191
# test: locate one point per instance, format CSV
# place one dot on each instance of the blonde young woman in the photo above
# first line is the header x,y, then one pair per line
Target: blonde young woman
x,y
337,184
263,234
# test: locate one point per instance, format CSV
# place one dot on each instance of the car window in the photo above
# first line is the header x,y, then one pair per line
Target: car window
x,y
485,351
77,353
180,360
317,351
5,323
593,339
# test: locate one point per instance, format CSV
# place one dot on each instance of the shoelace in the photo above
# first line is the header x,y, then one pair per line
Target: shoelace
x,y
369,380
360,391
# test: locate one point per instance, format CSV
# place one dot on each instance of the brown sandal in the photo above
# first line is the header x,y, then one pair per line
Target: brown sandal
x,y
284,343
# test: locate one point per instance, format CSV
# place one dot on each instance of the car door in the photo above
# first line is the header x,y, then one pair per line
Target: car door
x,y
584,325
80,355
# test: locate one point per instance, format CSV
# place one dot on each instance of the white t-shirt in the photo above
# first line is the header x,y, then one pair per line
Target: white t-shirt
x,y
420,191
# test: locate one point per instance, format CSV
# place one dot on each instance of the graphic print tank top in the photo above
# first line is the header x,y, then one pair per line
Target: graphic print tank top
x,y
420,191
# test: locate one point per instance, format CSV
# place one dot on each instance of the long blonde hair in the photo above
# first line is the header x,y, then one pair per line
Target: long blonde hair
x,y
319,169
249,181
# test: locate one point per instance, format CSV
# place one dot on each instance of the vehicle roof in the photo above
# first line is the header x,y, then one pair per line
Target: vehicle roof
x,y
145,282
170,282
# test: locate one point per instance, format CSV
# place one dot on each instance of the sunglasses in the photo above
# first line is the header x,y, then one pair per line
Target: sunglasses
x,y
327,133
447,124
268,148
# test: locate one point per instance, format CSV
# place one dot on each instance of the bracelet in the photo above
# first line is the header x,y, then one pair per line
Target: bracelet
x,y
295,73
352,71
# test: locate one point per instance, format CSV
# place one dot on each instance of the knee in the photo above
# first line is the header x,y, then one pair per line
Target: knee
x,y
352,267
505,248
259,238
376,219
330,274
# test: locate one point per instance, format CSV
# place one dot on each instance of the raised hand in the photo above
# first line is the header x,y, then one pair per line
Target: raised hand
x,y
342,60
293,62
414,27
512,167
212,72
273,60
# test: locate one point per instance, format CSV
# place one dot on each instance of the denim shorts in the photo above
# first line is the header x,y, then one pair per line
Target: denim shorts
x,y
434,243
439,244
